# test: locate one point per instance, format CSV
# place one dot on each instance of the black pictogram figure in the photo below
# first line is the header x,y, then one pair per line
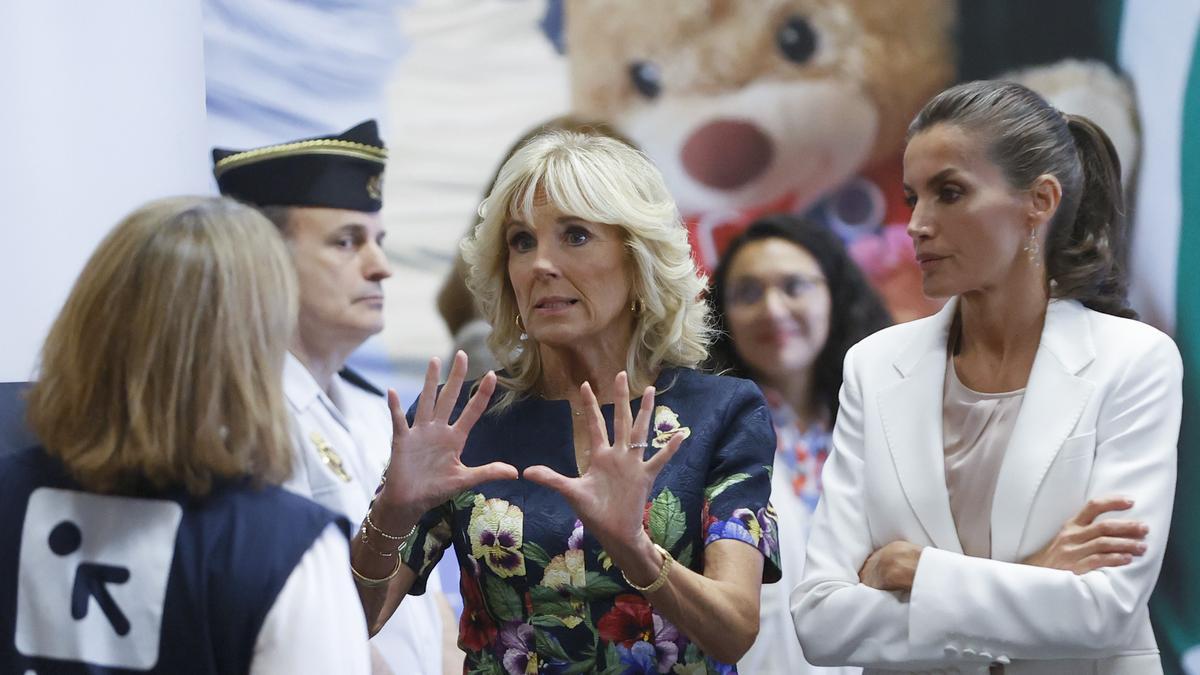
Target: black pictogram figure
x,y
91,579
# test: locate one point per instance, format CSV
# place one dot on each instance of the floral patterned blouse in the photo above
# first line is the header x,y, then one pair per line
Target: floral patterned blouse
x,y
801,451
540,595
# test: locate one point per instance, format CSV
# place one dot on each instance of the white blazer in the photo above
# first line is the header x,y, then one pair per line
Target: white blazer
x,y
1100,418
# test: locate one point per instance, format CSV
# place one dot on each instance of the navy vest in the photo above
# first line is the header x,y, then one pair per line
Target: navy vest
x,y
122,584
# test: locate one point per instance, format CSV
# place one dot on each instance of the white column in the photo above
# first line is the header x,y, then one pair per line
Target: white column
x,y
1156,52
101,109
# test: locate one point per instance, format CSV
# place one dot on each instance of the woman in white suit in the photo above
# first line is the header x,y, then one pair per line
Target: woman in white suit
x,y
966,440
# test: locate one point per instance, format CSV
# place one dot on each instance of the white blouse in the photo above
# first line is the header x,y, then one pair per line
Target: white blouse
x,y
975,432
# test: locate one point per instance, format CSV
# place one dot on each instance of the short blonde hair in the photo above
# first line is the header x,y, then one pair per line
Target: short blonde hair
x,y
601,180
165,366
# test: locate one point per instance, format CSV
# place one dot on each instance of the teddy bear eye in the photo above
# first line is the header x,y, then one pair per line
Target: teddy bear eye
x,y
796,39
646,78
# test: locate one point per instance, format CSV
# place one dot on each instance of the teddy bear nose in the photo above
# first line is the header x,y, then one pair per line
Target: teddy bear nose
x,y
727,154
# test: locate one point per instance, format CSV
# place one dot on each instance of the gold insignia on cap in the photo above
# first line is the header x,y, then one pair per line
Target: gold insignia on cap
x,y
329,456
375,186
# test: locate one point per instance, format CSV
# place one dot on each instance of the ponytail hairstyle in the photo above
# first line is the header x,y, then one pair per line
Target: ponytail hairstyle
x,y
1026,138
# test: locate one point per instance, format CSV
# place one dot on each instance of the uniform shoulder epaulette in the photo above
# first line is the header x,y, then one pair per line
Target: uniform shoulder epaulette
x,y
359,381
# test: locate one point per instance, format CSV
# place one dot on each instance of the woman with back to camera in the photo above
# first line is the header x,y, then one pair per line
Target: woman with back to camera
x,y
149,533
1000,488
639,533
788,301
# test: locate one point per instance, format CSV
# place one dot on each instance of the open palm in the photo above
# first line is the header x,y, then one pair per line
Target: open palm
x,y
611,495
426,466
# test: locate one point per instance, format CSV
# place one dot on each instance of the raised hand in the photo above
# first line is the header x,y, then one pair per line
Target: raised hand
x,y
611,496
426,468
1083,545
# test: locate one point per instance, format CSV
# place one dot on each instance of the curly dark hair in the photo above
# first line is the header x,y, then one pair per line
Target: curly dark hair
x,y
855,309
1027,137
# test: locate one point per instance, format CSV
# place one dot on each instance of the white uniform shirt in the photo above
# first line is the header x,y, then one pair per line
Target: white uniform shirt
x,y
316,624
355,428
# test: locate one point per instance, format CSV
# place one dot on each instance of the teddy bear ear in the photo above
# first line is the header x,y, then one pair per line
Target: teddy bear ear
x,y
552,25
1096,91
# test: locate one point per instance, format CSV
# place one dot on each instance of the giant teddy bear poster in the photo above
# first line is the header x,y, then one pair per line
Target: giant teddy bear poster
x,y
752,107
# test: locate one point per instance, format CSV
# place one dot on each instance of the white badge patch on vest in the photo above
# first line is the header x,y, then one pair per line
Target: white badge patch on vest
x,y
93,577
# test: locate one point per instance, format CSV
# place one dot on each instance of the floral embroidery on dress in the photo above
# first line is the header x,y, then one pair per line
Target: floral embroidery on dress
x,y
566,572
575,541
759,528
526,650
519,644
438,538
476,630
768,524
644,641
495,535
666,425
665,519
541,595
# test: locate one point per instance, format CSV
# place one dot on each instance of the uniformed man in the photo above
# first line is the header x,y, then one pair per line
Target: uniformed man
x,y
325,195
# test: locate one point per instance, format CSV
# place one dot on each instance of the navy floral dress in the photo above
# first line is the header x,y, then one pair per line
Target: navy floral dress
x,y
540,594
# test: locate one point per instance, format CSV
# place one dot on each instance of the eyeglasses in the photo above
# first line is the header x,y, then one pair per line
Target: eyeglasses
x,y
749,291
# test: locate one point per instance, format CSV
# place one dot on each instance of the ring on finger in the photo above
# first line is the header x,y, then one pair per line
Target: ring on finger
x,y
641,445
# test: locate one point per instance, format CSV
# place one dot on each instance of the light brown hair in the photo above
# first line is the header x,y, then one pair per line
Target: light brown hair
x,y
164,369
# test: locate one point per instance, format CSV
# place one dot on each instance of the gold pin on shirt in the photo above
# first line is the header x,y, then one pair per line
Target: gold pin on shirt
x,y
329,456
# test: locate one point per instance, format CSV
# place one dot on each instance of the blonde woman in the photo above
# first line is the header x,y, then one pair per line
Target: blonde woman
x,y
640,532
148,532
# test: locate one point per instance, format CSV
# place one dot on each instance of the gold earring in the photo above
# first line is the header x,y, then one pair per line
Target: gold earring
x,y
520,326
636,306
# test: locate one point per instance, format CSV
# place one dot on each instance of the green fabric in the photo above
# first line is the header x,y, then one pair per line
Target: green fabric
x,y
1175,606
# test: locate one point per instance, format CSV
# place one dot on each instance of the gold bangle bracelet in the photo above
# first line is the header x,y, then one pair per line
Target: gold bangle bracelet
x,y
663,573
368,582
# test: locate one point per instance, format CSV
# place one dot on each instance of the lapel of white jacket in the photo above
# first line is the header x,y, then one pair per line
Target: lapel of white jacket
x,y
911,412
1054,399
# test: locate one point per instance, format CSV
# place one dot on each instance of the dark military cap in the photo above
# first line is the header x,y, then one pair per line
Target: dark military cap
x,y
337,172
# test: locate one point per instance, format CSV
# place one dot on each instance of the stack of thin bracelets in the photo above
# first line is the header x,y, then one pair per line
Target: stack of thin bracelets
x,y
368,582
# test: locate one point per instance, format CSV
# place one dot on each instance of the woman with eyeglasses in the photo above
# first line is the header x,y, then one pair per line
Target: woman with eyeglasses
x,y
788,302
